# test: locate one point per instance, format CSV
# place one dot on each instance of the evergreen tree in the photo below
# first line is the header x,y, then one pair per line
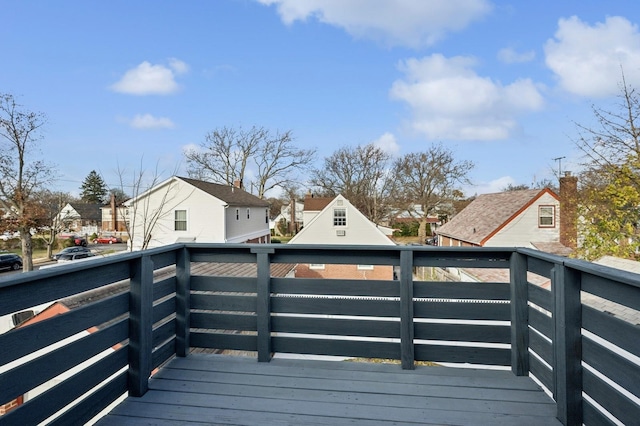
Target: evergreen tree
x,y
93,189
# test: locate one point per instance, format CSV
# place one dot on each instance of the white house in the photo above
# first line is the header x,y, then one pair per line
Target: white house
x,y
527,218
188,210
339,222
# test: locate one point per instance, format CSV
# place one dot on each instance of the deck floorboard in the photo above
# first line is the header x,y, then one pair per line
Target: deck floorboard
x,y
218,389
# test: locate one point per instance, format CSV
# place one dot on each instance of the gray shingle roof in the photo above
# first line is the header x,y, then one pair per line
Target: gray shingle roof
x,y
487,214
229,194
88,211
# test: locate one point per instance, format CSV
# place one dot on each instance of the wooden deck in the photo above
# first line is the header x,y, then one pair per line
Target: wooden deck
x,y
219,389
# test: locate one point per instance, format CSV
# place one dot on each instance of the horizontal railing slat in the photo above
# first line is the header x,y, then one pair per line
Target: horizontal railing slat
x,y
612,365
240,342
163,309
164,287
336,306
331,347
336,326
461,290
336,287
163,353
611,290
609,398
541,322
593,416
51,401
27,376
540,297
541,346
612,329
223,321
541,372
89,407
223,302
227,284
22,341
463,354
462,310
163,332
53,284
462,332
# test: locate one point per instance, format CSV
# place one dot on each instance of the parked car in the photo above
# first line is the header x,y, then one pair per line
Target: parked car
x,y
70,257
79,241
107,240
71,250
10,261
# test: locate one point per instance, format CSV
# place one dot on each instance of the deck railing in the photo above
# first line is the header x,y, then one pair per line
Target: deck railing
x,y
140,309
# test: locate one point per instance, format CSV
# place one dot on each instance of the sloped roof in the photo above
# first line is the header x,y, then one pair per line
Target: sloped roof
x,y
231,195
316,203
88,211
488,213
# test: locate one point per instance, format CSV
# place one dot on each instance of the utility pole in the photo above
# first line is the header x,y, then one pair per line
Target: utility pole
x,y
559,160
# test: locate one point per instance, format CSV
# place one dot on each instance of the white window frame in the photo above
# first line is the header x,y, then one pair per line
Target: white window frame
x,y
176,220
339,220
545,215
365,267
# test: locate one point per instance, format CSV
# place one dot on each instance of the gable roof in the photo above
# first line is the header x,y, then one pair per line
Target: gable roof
x,y
360,230
316,204
87,211
229,194
489,213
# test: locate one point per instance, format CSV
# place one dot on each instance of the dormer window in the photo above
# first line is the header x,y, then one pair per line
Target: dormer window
x,y
339,217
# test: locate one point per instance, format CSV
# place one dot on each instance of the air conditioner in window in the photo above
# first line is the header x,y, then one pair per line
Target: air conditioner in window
x,y
341,232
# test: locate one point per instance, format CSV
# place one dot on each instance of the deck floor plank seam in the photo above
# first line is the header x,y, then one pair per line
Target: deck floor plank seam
x,y
225,390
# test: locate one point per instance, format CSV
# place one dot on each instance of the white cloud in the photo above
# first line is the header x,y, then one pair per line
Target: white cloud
x,y
491,187
510,56
413,23
450,101
148,121
587,60
387,143
149,79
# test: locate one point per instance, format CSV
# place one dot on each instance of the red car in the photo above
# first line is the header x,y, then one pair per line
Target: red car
x,y
107,240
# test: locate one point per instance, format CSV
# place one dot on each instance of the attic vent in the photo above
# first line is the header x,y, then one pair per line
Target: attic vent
x,y
341,232
339,202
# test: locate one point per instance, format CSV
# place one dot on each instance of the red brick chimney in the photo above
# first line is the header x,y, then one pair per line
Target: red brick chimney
x,y
568,210
237,183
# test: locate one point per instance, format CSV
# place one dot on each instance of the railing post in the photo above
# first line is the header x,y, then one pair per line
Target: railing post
x,y
567,345
183,304
407,354
140,324
263,308
519,315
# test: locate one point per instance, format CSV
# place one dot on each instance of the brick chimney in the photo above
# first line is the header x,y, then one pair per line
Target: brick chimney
x,y
568,210
114,212
237,183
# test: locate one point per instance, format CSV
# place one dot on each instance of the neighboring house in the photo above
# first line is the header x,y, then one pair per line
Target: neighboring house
x,y
188,210
313,206
114,217
82,218
293,223
339,222
527,218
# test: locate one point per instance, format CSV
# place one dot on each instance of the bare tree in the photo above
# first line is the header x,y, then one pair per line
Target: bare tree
x,y
276,159
361,175
21,175
229,155
224,155
430,180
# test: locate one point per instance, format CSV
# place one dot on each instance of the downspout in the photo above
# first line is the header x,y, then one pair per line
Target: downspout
x,y
224,222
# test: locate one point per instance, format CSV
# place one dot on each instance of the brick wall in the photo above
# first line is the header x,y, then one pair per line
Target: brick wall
x,y
379,272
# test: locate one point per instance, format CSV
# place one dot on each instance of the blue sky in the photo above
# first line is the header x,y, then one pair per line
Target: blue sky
x,y
131,84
